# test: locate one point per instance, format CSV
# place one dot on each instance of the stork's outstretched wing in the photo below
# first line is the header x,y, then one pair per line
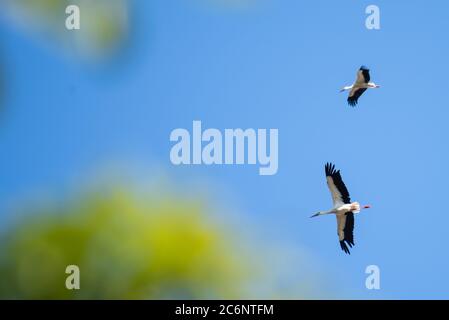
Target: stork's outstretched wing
x,y
354,96
362,76
340,194
345,229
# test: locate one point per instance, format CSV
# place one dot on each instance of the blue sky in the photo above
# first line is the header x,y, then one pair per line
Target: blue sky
x,y
271,64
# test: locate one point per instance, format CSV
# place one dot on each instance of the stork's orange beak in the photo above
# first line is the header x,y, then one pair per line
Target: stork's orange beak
x,y
367,206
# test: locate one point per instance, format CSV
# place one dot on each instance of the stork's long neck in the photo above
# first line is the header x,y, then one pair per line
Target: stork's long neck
x,y
320,213
327,212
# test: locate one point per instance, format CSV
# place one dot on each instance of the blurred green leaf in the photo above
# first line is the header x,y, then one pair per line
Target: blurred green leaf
x,y
126,249
104,23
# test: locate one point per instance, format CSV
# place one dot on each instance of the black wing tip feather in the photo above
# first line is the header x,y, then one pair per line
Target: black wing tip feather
x,y
364,68
352,101
330,169
344,247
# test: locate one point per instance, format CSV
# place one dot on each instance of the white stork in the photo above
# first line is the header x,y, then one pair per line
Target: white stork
x,y
359,87
343,208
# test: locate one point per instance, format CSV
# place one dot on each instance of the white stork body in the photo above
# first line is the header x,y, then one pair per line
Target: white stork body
x,y
362,83
343,208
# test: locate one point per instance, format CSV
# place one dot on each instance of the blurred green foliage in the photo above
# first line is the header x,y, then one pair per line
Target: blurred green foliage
x,y
126,248
104,23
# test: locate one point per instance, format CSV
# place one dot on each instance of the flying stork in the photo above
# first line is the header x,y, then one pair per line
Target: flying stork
x,y
343,208
359,87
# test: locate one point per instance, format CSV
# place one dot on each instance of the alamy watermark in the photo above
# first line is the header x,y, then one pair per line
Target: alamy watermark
x,y
372,282
72,282
372,22
234,146
73,20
